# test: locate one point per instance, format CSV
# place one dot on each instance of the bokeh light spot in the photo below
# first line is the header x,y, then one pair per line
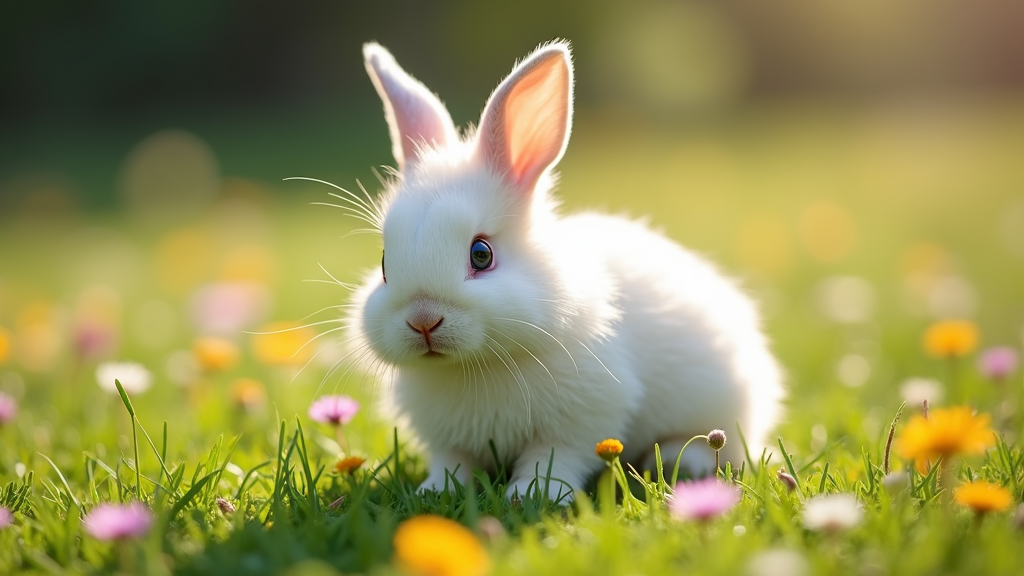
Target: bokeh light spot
x,y
846,299
828,232
170,173
763,244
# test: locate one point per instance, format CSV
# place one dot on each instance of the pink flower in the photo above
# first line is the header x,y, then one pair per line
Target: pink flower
x,y
225,308
117,522
94,340
703,499
6,518
334,410
8,408
998,363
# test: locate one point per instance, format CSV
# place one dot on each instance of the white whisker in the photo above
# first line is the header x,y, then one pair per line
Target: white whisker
x,y
374,214
517,375
548,334
294,328
538,360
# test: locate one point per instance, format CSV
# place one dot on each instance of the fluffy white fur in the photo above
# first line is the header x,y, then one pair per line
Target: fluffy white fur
x,y
587,327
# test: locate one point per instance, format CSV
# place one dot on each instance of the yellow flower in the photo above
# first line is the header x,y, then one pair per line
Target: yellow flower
x,y
215,354
283,343
247,393
349,465
251,263
983,497
609,449
436,546
946,432
183,259
951,338
5,344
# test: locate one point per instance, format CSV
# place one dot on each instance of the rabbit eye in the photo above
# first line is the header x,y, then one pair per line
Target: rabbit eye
x,y
480,255
382,272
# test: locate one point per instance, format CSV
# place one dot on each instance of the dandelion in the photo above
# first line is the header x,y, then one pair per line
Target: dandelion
x,y
118,522
946,432
435,546
998,363
608,449
8,408
215,354
983,497
334,410
282,343
133,376
703,499
349,465
6,517
951,338
832,513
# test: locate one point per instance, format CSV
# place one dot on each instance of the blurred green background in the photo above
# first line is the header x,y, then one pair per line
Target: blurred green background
x,y
856,165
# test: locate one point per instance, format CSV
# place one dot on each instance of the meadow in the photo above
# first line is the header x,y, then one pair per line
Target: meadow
x,y
885,244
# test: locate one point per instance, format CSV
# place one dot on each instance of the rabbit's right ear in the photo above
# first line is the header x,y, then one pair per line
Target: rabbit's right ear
x,y
525,125
415,116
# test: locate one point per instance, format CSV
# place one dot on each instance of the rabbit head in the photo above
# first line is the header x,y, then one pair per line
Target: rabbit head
x,y
471,267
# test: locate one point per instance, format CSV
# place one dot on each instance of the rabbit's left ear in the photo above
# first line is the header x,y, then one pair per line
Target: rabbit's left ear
x,y
525,125
415,116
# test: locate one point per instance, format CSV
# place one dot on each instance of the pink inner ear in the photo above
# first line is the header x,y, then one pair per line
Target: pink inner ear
x,y
525,126
414,115
536,120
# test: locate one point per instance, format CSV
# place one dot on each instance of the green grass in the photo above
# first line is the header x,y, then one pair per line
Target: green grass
x,y
944,181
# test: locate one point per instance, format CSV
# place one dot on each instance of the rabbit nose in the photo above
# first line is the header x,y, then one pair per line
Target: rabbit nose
x,y
425,325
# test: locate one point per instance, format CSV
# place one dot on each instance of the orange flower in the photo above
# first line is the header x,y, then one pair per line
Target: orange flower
x,y
946,432
349,465
5,344
983,497
436,546
609,449
215,354
951,338
283,343
247,393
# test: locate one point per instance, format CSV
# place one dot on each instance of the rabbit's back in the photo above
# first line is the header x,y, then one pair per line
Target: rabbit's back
x,y
693,338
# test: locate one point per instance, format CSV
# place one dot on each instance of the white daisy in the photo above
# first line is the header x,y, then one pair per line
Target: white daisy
x,y
916,390
778,561
832,512
133,376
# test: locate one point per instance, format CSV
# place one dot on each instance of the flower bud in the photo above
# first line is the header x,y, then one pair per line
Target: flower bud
x,y
225,506
787,480
716,439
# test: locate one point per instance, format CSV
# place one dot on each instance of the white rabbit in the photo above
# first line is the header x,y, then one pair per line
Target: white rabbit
x,y
503,321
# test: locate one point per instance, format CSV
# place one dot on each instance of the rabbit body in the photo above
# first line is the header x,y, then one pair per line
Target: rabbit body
x,y
504,322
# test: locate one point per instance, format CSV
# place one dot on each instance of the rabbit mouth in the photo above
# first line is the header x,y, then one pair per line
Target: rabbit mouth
x,y
433,354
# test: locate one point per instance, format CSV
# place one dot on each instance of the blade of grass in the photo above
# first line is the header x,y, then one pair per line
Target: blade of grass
x,y
135,437
190,495
63,480
789,463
